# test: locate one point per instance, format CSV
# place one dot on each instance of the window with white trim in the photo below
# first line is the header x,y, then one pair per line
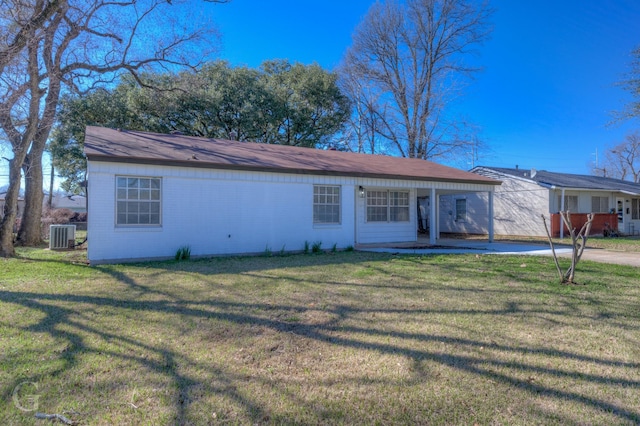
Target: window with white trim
x,y
387,206
398,206
138,200
635,208
377,206
570,203
326,204
461,209
599,204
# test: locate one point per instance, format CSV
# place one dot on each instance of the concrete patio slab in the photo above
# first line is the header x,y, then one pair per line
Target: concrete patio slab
x,y
459,246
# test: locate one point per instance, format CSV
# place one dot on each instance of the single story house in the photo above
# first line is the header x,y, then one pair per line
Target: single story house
x,y
526,194
150,194
73,202
76,203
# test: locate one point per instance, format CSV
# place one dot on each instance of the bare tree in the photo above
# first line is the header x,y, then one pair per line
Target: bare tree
x,y
578,244
622,161
49,47
631,84
409,59
361,133
18,27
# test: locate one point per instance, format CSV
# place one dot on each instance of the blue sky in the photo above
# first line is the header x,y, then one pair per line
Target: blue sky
x,y
543,99
546,92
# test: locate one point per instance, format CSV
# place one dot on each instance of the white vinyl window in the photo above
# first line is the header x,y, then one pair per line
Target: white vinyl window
x,y
570,203
461,210
398,206
635,208
599,204
326,204
387,206
377,206
138,200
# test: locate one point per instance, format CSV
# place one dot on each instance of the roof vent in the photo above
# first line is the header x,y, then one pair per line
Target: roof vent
x,y
533,173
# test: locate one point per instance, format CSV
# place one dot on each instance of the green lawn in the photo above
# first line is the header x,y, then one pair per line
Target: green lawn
x,y
319,339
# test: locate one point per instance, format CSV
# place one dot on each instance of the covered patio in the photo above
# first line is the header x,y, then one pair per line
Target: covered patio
x,y
450,205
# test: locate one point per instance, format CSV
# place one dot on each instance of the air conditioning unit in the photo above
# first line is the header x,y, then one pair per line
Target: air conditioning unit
x,y
62,237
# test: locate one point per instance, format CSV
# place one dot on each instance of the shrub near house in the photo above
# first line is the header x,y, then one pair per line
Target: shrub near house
x,y
61,217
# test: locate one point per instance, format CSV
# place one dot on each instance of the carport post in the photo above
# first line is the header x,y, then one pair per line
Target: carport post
x,y
562,209
490,216
433,218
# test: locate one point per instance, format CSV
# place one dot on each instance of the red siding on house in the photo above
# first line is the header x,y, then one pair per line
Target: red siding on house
x,y
578,219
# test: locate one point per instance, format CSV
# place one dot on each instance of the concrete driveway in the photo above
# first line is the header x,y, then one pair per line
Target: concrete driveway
x,y
460,246
607,256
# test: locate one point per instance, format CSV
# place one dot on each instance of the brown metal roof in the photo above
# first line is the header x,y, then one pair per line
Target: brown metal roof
x,y
103,144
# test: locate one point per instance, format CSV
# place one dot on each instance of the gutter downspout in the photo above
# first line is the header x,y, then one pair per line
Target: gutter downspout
x,y
491,216
355,214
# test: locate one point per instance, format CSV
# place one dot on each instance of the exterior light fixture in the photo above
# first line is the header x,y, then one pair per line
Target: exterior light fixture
x,y
361,191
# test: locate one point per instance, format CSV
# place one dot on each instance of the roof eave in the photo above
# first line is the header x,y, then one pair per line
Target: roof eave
x,y
569,188
506,175
208,165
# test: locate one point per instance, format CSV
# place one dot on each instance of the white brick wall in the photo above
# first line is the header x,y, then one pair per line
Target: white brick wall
x,y
517,205
214,213
231,212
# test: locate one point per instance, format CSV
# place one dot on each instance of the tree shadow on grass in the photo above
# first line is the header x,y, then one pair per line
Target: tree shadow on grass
x,y
60,319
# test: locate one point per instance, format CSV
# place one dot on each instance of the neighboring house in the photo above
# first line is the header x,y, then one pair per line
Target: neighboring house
x,y
76,203
150,194
525,195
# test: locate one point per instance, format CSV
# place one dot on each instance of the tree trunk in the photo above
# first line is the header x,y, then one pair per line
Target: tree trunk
x,y
30,233
20,142
578,244
10,211
553,250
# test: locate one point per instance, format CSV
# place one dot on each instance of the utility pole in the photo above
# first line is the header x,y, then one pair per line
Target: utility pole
x,y
474,152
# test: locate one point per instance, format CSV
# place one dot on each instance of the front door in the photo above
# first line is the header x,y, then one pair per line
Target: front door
x,y
621,215
423,215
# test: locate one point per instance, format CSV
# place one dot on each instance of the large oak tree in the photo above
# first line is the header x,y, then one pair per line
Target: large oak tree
x,y
279,103
48,47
